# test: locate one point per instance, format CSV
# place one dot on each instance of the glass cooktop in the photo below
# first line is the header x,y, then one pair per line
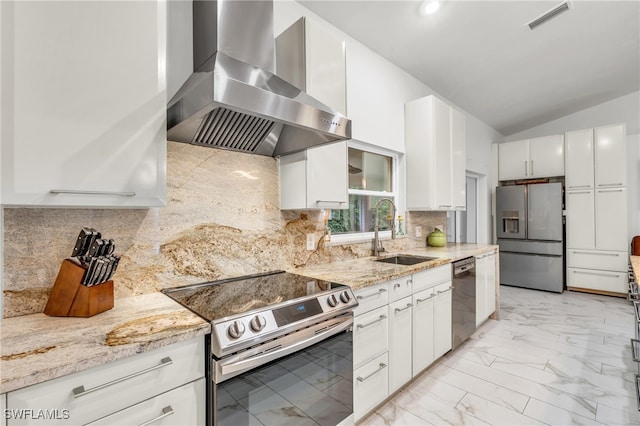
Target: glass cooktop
x,y
220,299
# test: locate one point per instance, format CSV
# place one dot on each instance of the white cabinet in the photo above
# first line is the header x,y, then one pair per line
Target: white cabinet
x,y
370,335
101,391
400,343
435,148
610,156
370,385
485,286
84,103
315,179
442,320
312,58
579,159
400,288
423,314
596,205
531,158
611,219
175,407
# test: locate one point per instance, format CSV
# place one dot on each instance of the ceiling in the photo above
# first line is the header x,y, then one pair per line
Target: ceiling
x,y
483,57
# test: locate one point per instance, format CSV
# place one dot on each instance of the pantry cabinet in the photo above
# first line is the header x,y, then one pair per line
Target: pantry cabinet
x,y
596,206
146,386
84,103
312,58
485,286
315,179
531,158
435,148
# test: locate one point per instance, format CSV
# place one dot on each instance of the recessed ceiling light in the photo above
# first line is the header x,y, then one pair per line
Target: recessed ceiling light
x,y
429,7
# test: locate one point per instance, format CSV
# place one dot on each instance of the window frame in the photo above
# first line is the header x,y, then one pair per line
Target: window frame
x,y
358,237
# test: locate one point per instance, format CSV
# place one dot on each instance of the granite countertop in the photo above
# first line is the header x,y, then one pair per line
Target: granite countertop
x,y
364,272
35,348
635,264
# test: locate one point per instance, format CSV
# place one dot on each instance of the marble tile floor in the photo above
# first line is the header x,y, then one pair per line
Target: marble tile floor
x,y
552,359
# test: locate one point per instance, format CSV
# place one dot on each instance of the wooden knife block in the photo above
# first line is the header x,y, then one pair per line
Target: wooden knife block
x,y
69,298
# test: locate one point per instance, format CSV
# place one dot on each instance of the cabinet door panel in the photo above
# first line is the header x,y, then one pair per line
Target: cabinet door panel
x,y
442,320
513,160
579,160
86,93
443,164
423,314
546,156
611,219
370,385
610,158
327,176
370,335
580,220
458,160
490,287
400,335
481,290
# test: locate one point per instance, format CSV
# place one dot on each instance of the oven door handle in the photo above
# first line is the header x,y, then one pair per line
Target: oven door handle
x,y
233,368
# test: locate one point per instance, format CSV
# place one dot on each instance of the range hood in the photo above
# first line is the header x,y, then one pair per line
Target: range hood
x,y
234,100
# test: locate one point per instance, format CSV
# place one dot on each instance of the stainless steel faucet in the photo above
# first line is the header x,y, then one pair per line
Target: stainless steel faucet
x,y
377,247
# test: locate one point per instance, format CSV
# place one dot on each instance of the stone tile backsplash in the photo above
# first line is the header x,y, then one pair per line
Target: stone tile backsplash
x,y
222,219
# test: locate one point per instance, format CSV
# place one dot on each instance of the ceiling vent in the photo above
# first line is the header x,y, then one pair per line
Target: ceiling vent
x,y
548,15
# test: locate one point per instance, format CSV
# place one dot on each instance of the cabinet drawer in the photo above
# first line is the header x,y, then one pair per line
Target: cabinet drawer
x,y
400,288
615,282
591,259
370,335
184,406
370,385
431,277
113,386
371,298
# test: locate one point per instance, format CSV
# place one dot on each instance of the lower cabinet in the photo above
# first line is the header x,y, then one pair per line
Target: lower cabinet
x,y
398,331
597,270
400,337
143,386
485,286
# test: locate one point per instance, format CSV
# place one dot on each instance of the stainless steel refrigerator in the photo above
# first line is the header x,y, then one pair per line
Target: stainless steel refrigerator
x,y
530,235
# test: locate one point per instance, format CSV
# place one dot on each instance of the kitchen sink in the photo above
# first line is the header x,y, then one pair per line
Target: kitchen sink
x,y
405,259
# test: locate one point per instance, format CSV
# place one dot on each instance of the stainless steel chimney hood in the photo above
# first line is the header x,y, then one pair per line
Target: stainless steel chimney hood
x,y
233,100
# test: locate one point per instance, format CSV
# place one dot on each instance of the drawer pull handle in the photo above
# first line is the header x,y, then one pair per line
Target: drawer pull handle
x,y
581,192
634,350
382,290
580,186
602,274
381,367
396,285
372,322
610,190
604,185
405,308
76,192
425,299
166,412
599,253
330,202
81,391
444,291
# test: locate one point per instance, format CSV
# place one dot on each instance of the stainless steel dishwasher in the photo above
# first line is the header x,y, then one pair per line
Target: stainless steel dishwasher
x,y
463,300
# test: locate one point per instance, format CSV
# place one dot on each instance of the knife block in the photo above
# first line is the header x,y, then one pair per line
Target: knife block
x,y
69,298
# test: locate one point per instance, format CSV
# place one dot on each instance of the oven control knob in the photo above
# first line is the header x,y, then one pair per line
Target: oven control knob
x,y
258,322
345,297
236,329
332,300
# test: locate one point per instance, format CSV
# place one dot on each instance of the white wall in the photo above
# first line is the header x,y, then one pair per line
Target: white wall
x,y
625,109
479,136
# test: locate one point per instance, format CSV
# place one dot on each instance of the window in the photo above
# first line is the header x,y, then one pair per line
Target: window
x,y
371,178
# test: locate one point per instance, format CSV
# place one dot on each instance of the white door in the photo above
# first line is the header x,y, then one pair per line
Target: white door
x,y
579,160
443,154
458,160
327,176
490,285
442,320
580,220
546,156
611,219
400,334
513,160
423,316
481,290
610,158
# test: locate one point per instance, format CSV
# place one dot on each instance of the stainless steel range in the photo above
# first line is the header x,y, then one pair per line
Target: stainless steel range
x,y
281,349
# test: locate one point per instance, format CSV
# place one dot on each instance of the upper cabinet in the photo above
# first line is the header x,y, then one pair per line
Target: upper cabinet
x,y
610,149
435,155
84,103
531,158
312,58
315,179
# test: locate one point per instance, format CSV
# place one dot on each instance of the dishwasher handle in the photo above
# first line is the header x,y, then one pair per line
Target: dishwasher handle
x,y
464,266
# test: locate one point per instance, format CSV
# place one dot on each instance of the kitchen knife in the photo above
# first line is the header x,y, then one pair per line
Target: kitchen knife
x,y
89,272
96,248
97,279
116,260
111,246
108,268
81,242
